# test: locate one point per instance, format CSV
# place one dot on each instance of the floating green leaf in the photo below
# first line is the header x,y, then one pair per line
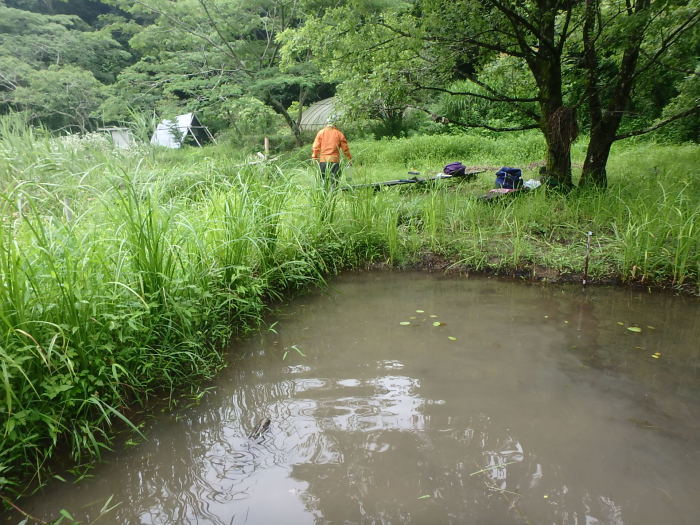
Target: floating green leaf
x,y
437,323
404,323
420,311
424,496
66,514
451,338
433,315
634,329
621,324
651,327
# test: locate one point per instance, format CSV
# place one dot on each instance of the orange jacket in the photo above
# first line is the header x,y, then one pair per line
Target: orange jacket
x,y
327,145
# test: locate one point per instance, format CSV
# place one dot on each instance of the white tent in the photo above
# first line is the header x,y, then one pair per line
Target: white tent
x,y
173,134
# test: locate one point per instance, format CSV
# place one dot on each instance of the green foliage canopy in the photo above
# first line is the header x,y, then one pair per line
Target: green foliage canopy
x,y
38,50
62,97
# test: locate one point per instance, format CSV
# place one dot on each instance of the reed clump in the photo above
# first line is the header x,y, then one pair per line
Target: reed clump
x,y
124,273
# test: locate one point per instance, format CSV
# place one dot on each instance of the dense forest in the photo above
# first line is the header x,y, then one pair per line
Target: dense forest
x,y
607,69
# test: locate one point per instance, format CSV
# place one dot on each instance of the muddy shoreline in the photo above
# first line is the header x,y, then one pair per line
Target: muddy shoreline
x,y
534,273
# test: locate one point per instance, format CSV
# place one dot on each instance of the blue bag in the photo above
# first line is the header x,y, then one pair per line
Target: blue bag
x,y
509,178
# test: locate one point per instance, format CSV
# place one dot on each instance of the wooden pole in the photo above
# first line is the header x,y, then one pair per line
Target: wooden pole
x,y
267,147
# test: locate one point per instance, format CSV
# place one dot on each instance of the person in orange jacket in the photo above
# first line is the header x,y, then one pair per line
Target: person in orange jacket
x,y
326,150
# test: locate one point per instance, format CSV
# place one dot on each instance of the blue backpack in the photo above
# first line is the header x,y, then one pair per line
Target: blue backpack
x,y
509,178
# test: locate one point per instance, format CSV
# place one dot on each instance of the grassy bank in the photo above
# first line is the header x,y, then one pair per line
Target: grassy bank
x,y
124,273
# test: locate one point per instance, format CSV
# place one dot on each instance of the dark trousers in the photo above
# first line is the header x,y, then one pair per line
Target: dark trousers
x,y
332,168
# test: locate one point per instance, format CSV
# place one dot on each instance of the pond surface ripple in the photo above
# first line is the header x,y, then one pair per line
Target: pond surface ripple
x,y
499,402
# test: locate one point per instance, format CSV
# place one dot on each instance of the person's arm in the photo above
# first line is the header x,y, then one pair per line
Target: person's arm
x,y
316,148
344,146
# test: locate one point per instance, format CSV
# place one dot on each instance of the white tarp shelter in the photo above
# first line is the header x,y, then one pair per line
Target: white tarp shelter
x,y
121,137
316,116
185,128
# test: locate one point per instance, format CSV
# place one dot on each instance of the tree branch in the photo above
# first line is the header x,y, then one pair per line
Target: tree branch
x,y
378,45
232,52
445,120
524,111
668,41
516,19
564,32
591,60
498,98
451,40
689,72
658,125
193,32
7,82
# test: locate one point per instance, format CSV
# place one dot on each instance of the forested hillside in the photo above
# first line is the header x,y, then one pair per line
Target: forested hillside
x,y
611,70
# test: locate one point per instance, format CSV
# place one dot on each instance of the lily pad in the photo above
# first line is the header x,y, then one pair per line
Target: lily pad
x,y
634,329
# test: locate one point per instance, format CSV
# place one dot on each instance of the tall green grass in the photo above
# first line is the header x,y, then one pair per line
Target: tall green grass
x,y
123,274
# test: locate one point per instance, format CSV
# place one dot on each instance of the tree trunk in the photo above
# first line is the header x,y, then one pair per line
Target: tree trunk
x,y
605,123
594,174
558,163
293,125
558,123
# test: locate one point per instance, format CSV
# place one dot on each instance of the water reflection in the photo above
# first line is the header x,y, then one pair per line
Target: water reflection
x,y
540,409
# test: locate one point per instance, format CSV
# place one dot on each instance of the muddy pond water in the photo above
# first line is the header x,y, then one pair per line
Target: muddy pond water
x,y
418,398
